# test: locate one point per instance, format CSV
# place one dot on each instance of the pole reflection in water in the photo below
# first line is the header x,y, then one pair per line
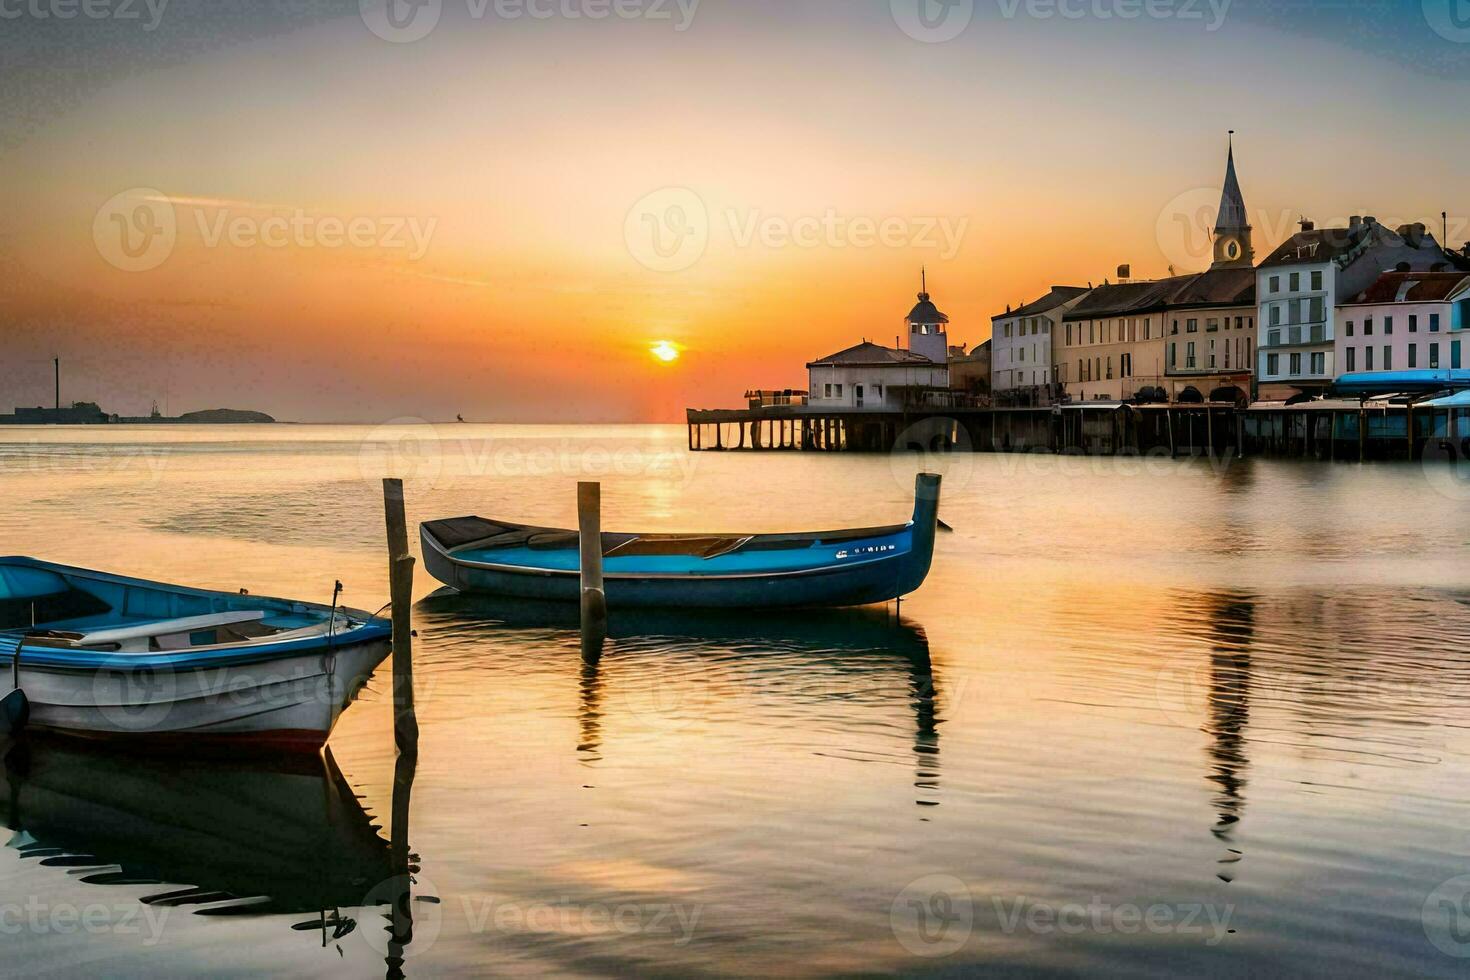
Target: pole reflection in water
x,y
1231,624
679,668
226,837
405,865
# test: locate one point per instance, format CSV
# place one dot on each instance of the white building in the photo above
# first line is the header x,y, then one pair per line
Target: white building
x,y
1406,321
1300,285
1021,339
871,376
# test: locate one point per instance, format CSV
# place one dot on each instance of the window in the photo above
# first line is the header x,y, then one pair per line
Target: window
x,y
1368,327
1110,367
1413,355
1191,326
1173,355
839,390
1434,355
1125,365
1227,353
1434,323
1316,309
1069,333
1176,327
828,392
1296,281
1212,325
1319,363
1189,355
1352,359
1350,328
1275,314
1296,365
1454,354
1367,358
1317,280
1275,284
1273,364
1387,325
1387,358
1273,338
1413,323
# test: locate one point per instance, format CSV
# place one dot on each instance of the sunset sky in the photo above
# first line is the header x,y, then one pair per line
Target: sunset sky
x,y
503,217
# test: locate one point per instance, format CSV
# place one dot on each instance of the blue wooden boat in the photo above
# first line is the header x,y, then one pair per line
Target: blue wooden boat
x,y
821,568
106,656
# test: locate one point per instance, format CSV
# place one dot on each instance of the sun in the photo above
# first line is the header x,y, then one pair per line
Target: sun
x,y
665,350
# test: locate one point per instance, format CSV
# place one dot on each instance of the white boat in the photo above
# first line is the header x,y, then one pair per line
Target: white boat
x,y
106,656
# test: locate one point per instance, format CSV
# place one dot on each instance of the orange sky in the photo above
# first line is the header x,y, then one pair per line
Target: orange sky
x,y
500,177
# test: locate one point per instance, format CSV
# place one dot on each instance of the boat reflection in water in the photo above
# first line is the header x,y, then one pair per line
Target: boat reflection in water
x,y
680,669
280,836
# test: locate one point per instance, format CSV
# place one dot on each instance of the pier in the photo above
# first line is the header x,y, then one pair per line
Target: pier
x,y
1332,430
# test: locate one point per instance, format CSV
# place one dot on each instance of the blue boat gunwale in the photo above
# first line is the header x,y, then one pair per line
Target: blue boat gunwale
x,y
263,650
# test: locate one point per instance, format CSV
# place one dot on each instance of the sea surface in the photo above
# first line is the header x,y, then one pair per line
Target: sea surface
x,y
1148,717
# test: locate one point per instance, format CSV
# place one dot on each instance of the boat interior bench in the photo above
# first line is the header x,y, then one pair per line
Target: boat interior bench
x,y
162,634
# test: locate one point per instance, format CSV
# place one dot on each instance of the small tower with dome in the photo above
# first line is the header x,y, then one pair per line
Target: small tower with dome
x,y
928,329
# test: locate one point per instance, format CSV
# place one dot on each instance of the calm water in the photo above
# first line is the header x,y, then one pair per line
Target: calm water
x,y
1155,717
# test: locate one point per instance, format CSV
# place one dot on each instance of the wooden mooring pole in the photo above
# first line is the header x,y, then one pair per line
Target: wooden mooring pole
x,y
400,590
594,598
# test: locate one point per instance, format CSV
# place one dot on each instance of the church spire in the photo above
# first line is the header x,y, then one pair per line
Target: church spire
x,y
1232,226
1232,202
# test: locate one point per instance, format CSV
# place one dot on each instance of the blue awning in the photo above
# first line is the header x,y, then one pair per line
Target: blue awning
x,y
1364,383
1460,399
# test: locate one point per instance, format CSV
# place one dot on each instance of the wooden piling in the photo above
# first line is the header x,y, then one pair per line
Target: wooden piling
x,y
400,586
594,598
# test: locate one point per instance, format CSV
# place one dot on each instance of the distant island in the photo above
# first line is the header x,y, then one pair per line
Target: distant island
x,y
89,413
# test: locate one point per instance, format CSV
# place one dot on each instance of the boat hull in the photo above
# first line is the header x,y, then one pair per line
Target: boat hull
x,y
821,569
292,702
876,581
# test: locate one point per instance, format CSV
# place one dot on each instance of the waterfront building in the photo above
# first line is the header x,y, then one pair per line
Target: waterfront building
x,y
1180,338
871,376
1405,321
970,374
1300,286
1021,346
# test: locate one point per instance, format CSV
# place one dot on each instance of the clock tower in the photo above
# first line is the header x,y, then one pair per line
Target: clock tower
x,y
1232,229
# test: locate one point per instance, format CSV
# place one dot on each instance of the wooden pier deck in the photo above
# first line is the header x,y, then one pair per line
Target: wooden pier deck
x,y
1343,430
